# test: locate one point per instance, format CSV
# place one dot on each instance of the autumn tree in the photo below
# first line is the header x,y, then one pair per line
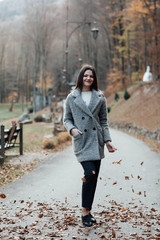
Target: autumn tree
x,y
39,30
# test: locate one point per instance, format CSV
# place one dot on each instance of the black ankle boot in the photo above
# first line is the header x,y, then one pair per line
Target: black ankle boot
x,y
86,220
92,219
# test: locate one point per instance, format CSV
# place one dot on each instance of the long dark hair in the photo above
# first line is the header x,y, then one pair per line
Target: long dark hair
x,y
79,83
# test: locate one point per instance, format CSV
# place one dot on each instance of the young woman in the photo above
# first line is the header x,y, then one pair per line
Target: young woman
x,y
85,118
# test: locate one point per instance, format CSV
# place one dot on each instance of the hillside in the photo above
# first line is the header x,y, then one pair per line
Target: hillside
x,y
141,110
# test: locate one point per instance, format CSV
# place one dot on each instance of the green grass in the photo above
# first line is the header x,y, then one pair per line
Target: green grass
x,y
5,114
33,134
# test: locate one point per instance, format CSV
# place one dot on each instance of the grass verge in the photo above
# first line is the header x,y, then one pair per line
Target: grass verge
x,y
9,173
34,136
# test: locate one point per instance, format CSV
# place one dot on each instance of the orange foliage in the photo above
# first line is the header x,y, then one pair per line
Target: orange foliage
x,y
12,96
116,81
45,82
54,142
143,20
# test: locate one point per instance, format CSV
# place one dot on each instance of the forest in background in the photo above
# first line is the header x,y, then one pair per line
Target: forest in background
x,y
33,44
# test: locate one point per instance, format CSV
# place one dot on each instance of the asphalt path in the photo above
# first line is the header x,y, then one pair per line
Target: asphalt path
x,y
128,189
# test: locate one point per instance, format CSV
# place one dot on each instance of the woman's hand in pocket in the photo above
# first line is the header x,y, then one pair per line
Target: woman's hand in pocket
x,y
75,132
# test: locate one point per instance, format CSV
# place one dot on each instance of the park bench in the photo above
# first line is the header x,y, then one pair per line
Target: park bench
x,y
10,138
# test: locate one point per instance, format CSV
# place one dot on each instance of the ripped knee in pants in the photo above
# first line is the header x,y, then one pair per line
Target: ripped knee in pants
x,y
84,179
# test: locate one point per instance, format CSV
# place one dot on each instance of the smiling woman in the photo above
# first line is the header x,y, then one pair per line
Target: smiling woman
x,y
85,118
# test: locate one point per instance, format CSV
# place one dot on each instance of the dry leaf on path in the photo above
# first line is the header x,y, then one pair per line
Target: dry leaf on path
x,y
114,183
119,162
2,195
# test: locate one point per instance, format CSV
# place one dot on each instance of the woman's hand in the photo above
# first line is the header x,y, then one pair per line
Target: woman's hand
x,y
110,147
75,131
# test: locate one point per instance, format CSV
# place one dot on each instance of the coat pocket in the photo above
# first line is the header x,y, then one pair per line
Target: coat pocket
x,y
100,137
77,142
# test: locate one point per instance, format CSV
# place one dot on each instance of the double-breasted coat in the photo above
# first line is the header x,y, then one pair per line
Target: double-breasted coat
x,y
91,121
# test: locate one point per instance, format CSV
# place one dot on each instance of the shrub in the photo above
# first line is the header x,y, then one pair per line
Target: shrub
x,y
49,143
38,118
116,97
126,95
64,137
30,110
54,142
108,109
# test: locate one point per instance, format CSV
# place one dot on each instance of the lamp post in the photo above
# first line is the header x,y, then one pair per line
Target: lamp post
x,y
95,31
68,36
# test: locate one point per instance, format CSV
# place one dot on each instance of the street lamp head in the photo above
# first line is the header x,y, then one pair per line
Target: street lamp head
x,y
95,31
80,60
64,70
66,51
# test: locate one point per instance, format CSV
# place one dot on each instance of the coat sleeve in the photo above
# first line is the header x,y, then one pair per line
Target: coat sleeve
x,y
68,118
104,122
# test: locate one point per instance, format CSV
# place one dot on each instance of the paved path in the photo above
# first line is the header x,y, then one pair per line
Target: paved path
x,y
44,204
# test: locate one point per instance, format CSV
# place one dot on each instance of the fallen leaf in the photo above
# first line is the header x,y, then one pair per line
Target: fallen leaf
x,y
141,214
139,178
39,204
114,183
123,209
119,162
30,204
153,209
132,189
126,177
139,193
2,195
113,234
83,179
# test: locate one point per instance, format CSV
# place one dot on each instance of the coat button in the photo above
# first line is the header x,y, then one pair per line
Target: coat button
x,y
85,130
83,118
94,128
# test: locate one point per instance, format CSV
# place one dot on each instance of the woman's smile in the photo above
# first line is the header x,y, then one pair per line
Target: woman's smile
x,y
88,79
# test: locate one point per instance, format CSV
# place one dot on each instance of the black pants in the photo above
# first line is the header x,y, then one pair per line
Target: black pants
x,y
91,171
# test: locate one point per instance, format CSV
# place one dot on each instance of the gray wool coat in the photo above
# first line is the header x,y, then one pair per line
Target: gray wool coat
x,y
91,121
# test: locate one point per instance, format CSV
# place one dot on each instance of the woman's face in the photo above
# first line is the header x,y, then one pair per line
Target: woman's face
x,y
88,79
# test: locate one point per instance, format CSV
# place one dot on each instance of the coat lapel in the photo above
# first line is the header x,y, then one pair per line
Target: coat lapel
x,y
95,99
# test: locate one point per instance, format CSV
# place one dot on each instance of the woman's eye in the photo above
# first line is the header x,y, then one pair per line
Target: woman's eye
x,y
88,76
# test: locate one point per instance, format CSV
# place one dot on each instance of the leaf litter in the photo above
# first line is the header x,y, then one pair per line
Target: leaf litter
x,y
59,220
